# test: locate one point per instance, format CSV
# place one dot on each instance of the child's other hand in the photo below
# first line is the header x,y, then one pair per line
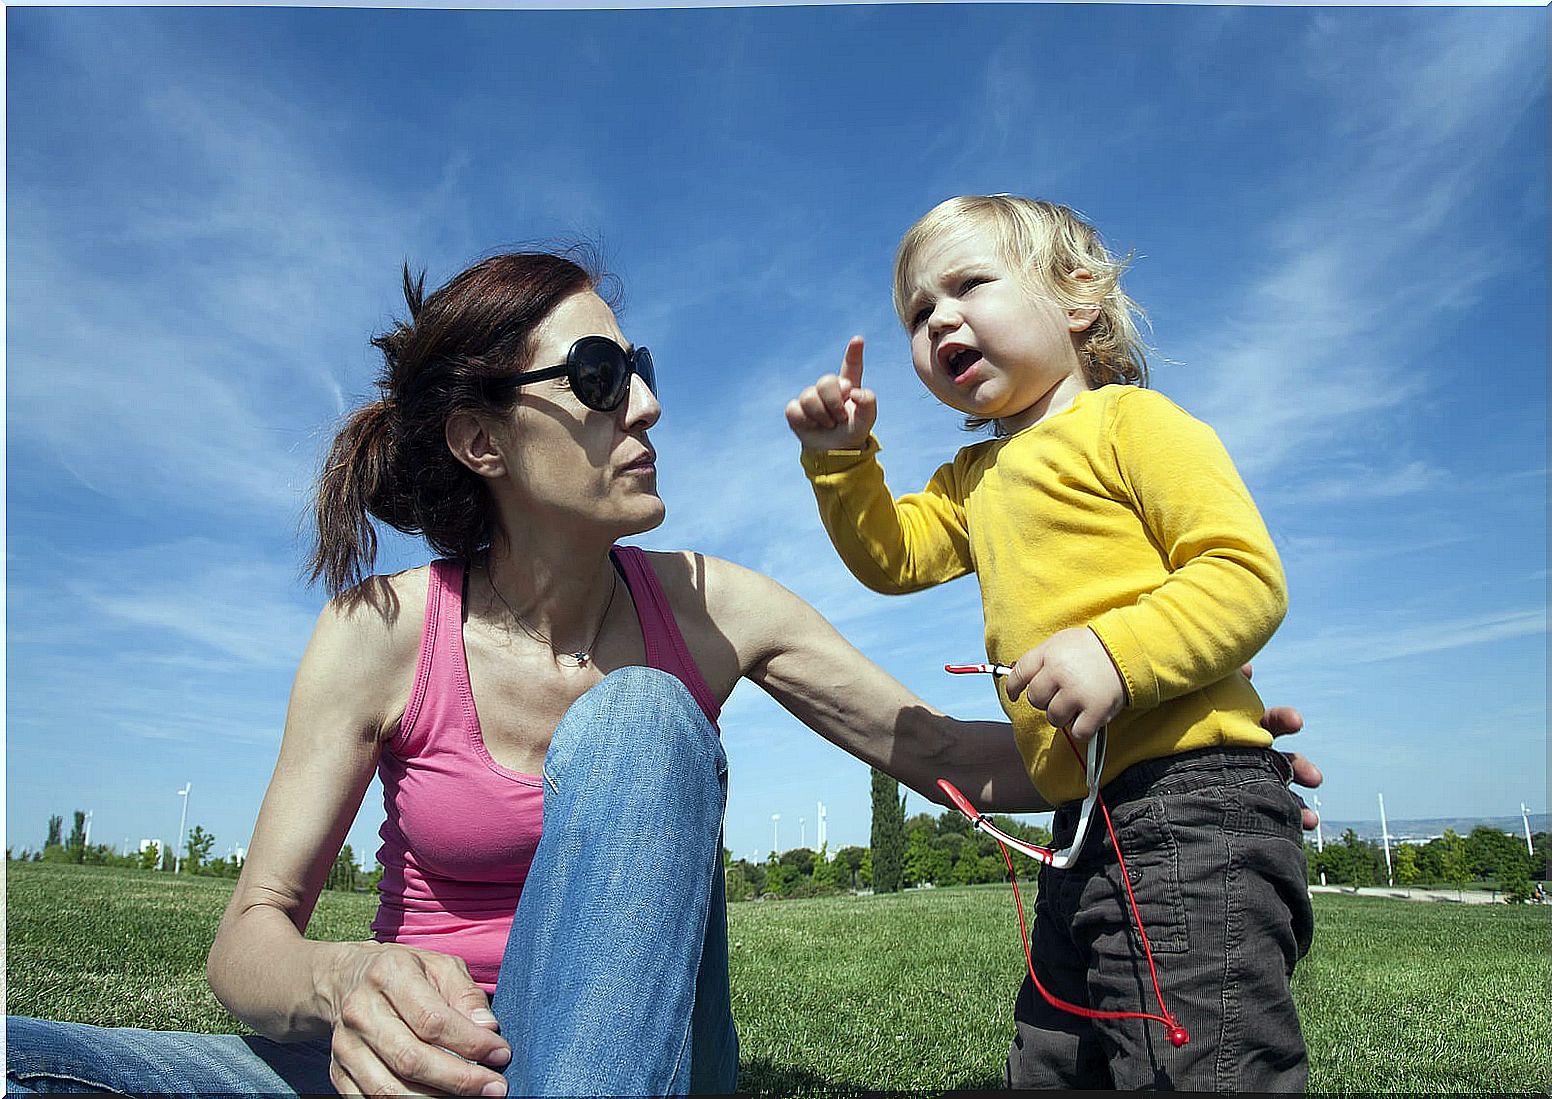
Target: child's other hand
x,y
835,413
1071,678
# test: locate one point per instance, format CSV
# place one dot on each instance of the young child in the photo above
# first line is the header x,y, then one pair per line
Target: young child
x,y
1126,576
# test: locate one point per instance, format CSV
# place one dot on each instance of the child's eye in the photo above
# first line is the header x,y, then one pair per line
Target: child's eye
x,y
919,317
971,283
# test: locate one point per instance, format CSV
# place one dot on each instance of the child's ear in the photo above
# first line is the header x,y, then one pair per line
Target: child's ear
x,y
1079,318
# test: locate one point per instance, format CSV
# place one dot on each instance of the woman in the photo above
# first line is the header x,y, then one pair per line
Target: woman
x,y
539,671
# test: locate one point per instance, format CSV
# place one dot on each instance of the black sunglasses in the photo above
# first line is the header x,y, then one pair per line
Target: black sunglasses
x,y
598,369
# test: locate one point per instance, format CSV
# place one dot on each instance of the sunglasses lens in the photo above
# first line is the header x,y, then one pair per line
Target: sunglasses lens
x,y
645,368
600,375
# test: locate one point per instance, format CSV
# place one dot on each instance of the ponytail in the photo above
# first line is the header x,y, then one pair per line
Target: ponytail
x,y
355,478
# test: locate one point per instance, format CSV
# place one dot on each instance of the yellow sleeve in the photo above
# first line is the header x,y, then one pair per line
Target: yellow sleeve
x,y
892,546
1226,593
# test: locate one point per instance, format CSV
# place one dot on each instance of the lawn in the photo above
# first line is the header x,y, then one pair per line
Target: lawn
x,y
904,992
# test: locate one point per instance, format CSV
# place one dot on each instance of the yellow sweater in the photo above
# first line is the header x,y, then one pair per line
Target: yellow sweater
x,y
1122,513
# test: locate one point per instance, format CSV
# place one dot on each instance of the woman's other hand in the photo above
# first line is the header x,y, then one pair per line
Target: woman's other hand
x,y
1283,721
410,1021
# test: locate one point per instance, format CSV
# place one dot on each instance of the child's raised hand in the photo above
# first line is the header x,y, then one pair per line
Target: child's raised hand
x,y
1070,677
835,413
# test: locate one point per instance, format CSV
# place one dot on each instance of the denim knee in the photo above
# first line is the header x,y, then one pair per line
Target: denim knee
x,y
612,716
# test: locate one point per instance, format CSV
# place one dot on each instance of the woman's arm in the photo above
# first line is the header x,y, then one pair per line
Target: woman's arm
x,y
387,1007
742,624
781,643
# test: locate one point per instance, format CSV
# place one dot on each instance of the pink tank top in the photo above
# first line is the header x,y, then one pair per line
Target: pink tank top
x,y
461,829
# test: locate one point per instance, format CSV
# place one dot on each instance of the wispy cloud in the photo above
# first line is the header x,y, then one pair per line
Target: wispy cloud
x,y
1342,646
1361,481
1360,240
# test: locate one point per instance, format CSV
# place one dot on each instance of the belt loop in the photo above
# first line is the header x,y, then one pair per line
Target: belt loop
x,y
1281,765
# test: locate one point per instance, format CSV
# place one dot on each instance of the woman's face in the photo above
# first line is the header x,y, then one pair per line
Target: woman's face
x,y
573,465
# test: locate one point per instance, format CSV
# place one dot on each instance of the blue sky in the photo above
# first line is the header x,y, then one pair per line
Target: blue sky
x,y
1340,227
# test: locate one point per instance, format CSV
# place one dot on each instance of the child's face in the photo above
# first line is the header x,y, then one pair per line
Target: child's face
x,y
982,341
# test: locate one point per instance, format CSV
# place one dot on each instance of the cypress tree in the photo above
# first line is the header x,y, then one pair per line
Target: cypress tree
x,y
888,835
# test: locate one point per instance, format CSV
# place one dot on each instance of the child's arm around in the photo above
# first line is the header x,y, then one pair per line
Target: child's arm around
x,y
892,546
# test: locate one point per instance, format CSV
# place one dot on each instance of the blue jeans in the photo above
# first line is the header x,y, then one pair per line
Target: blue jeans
x,y
615,977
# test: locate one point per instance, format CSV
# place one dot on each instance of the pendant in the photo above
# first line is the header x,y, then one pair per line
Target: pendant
x,y
580,658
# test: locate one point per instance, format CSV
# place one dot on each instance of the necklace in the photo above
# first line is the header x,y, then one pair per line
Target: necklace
x,y
580,657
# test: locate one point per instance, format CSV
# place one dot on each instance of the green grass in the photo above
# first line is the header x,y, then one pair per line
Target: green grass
x,y
912,991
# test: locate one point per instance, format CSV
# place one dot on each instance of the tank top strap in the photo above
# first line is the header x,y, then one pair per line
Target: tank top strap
x,y
665,645
440,675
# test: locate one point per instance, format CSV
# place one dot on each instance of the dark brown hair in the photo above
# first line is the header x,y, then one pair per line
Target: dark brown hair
x,y
390,461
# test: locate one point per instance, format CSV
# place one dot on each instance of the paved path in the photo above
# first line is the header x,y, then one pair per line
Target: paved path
x,y
1466,896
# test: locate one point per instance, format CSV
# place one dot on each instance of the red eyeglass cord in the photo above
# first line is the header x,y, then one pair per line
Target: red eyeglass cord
x,y
1177,1033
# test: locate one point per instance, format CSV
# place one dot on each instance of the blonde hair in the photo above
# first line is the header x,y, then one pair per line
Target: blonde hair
x,y
1045,242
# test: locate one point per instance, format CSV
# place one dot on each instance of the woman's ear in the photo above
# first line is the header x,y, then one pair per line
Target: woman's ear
x,y
473,442
1079,318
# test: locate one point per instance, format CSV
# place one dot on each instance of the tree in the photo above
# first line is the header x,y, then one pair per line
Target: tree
x,y
1354,860
198,850
848,863
1495,855
342,875
887,842
150,855
1456,865
1407,870
55,830
779,877
77,844
739,887
755,872
1517,890
825,873
926,860
800,859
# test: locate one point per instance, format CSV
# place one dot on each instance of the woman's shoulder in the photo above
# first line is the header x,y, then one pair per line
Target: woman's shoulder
x,y
725,611
701,578
711,593
378,619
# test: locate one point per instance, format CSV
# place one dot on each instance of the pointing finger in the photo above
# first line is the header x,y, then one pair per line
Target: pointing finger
x,y
851,362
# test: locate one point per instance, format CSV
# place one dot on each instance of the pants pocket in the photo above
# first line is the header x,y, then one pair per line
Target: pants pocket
x,y
1265,808
1152,853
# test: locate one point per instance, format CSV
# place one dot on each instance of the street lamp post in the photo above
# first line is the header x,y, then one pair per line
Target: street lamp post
x,y
177,855
775,833
1320,837
1385,838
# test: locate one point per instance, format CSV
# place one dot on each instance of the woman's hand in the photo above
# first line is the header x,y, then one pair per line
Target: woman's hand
x,y
410,1021
835,413
1283,721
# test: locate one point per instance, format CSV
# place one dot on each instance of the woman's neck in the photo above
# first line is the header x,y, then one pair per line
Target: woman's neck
x,y
559,590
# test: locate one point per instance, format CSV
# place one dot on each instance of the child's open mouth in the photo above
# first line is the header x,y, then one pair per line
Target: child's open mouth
x,y
961,361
